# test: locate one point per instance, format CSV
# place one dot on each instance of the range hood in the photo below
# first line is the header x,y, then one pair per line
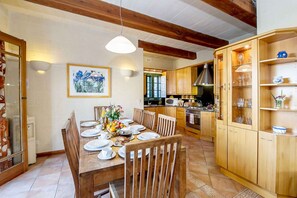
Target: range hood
x,y
204,78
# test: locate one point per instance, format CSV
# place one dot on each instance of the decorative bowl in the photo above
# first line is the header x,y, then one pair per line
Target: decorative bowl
x,y
278,79
279,129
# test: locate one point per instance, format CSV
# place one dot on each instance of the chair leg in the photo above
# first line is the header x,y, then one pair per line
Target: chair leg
x,y
102,192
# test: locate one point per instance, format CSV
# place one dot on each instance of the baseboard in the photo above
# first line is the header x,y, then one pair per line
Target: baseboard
x,y
48,153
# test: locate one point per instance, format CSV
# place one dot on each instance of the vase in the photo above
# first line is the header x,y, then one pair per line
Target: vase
x,y
279,104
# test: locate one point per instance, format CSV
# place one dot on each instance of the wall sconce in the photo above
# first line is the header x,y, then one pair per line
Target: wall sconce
x,y
40,66
127,72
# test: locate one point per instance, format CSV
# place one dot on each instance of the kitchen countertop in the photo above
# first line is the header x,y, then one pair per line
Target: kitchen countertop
x,y
148,106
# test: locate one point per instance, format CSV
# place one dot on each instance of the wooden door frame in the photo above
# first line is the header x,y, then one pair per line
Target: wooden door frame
x,y
23,166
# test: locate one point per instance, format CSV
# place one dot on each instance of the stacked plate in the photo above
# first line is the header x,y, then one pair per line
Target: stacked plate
x,y
148,136
137,128
97,145
90,133
89,124
126,121
122,152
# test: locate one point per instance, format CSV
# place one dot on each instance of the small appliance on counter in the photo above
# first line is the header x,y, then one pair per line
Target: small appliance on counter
x,y
171,101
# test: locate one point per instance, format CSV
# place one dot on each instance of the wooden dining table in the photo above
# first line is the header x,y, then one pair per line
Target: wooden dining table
x,y
95,173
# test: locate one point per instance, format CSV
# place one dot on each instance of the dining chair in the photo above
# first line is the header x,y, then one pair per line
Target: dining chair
x,y
72,152
74,131
153,172
137,115
148,119
166,125
98,112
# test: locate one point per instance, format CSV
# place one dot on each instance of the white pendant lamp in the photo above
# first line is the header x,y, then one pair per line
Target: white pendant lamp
x,y
120,44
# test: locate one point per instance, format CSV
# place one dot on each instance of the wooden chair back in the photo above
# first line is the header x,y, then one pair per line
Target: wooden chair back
x,y
137,115
148,119
152,175
71,152
75,131
98,112
166,125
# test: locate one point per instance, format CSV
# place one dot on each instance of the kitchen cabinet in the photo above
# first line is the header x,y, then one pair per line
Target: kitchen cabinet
x,y
207,124
221,145
170,111
171,82
144,84
181,118
185,79
242,153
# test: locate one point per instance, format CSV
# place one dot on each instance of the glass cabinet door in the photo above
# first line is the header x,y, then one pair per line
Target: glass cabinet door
x,y
242,85
13,143
221,85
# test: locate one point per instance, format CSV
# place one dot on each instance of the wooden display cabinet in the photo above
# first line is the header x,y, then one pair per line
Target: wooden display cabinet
x,y
242,85
270,66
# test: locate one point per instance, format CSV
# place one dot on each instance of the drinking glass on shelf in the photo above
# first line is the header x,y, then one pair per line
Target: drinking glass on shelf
x,y
249,121
240,102
239,119
240,58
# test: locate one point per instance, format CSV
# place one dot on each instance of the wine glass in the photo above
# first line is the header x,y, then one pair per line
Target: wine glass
x,y
240,58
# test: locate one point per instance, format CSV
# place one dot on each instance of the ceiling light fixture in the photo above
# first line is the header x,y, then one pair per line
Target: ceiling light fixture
x,y
120,44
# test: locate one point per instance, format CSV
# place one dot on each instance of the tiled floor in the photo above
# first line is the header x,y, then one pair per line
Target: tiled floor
x,y
51,177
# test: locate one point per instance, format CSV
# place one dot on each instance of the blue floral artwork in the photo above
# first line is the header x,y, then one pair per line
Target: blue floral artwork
x,y
88,81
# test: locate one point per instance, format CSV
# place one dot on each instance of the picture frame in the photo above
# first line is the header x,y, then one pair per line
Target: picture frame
x,y
88,81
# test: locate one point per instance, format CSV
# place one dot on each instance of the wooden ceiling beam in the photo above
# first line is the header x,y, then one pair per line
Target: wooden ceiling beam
x,y
165,50
240,9
101,10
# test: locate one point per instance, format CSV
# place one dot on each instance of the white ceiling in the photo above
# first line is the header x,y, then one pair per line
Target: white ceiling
x,y
192,14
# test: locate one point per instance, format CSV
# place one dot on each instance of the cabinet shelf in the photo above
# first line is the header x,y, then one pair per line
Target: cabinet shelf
x,y
242,64
241,107
274,109
279,85
279,60
288,133
242,86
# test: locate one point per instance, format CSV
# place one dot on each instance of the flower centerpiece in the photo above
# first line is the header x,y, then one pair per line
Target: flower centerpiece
x,y
113,112
279,100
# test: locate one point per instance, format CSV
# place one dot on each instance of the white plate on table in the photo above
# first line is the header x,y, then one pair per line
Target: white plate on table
x,y
121,153
148,136
127,121
88,148
90,133
89,124
100,156
137,128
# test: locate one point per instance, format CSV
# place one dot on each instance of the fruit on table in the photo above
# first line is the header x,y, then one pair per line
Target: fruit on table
x,y
114,126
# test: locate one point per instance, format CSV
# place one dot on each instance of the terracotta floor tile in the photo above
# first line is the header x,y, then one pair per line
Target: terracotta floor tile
x,y
223,184
46,180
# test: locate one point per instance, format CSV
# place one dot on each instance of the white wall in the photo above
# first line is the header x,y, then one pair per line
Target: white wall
x,y
273,14
4,19
61,41
202,56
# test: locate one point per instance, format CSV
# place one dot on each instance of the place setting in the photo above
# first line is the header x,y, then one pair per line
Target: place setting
x,y
92,132
148,136
106,154
98,144
89,124
122,153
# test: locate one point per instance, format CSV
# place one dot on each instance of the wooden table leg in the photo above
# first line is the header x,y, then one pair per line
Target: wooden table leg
x,y
86,186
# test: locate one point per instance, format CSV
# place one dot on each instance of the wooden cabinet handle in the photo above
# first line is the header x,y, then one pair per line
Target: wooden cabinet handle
x,y
233,131
266,139
229,86
224,86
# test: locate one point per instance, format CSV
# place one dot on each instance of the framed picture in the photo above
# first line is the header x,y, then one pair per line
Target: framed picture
x,y
88,81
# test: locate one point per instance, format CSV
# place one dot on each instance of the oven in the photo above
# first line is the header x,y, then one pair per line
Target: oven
x,y
193,116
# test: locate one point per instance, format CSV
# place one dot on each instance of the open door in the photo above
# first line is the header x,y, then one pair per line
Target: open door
x,y
13,115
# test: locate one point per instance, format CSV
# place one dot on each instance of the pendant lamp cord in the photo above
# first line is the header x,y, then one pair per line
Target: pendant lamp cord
x,y
121,17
